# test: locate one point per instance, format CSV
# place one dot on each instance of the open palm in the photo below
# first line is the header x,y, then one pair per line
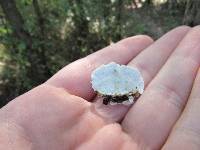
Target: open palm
x,y
64,113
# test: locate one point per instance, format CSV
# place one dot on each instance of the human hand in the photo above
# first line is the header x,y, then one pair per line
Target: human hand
x,y
63,113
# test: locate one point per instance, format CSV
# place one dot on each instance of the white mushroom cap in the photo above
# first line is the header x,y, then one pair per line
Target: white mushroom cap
x,y
115,80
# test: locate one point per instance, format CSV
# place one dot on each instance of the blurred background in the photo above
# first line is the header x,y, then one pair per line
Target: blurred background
x,y
39,37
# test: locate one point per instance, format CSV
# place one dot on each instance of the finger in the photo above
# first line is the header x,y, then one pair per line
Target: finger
x,y
75,78
102,139
186,133
148,63
153,116
110,137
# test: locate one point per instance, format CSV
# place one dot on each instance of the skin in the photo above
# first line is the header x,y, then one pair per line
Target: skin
x,y
64,113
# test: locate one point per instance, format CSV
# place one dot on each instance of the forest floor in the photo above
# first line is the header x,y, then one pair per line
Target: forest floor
x,y
153,21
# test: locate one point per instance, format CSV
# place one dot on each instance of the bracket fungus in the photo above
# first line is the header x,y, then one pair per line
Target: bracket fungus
x,y
117,84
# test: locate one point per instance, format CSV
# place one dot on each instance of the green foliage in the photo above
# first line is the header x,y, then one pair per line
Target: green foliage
x,y
65,31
